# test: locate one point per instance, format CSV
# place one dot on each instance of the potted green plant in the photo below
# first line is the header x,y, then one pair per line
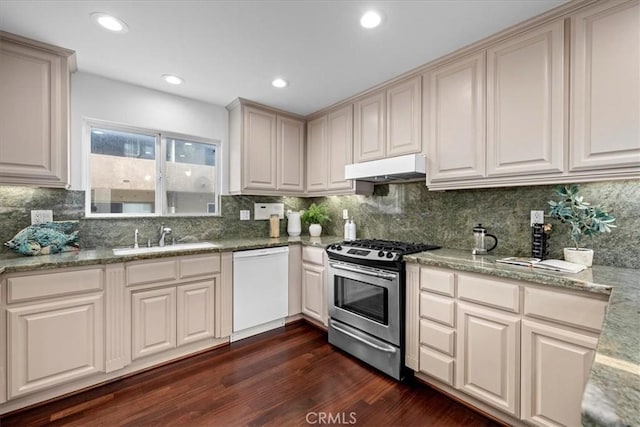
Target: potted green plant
x,y
584,219
315,216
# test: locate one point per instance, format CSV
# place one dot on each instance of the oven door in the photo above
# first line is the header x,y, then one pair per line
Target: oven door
x,y
366,298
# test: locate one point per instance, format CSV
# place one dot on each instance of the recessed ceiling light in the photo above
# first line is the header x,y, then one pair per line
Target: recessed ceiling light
x,y
371,19
171,79
110,22
279,83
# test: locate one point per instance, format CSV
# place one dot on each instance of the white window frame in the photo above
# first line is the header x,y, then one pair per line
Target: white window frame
x,y
161,206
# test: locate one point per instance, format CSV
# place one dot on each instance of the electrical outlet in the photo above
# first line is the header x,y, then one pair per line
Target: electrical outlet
x,y
537,217
38,217
245,215
345,213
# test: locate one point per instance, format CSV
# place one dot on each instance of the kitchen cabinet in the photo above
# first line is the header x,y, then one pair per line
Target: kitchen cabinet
x,y
172,302
522,349
295,280
605,88
55,328
388,123
314,286
266,150
329,150
34,112
555,369
454,117
488,356
317,155
525,103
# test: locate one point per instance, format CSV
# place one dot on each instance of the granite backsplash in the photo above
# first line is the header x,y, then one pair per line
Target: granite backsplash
x,y
395,211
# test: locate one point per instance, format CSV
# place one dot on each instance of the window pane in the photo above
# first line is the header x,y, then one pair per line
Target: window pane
x,y
123,171
190,177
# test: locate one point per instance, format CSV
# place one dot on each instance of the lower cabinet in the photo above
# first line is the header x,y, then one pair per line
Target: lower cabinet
x,y
488,356
55,329
166,318
54,342
521,351
555,369
314,299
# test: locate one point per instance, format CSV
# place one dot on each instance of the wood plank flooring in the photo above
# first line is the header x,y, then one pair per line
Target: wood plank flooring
x,y
287,377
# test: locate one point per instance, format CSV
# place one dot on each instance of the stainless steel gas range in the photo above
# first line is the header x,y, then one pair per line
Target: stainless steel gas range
x,y
367,299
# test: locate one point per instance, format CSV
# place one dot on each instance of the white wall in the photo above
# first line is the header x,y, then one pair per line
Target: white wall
x,y
96,97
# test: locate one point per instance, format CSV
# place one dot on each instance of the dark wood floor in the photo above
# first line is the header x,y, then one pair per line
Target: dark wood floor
x,y
287,377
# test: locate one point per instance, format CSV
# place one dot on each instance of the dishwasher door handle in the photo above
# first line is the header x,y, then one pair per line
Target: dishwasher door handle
x,y
386,349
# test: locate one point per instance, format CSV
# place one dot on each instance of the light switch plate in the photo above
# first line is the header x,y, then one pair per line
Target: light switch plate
x,y
245,215
265,210
345,213
537,217
41,216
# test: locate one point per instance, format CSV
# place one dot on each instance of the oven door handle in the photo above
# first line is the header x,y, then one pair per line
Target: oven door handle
x,y
386,349
387,276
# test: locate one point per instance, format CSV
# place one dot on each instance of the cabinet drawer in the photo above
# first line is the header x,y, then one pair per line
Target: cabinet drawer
x,y
437,337
143,272
435,307
201,265
53,284
438,281
564,308
312,255
437,365
489,291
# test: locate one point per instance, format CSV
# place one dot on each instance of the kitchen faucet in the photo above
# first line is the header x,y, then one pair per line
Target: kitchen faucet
x,y
163,232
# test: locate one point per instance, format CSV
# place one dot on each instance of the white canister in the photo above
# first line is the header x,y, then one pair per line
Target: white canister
x,y
293,223
352,230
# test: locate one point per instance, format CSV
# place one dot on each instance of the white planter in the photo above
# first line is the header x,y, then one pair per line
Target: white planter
x,y
315,230
582,256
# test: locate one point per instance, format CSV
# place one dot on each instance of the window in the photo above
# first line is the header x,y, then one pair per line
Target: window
x,y
142,172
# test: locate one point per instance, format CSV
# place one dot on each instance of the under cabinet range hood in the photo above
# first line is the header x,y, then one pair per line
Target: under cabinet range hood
x,y
411,167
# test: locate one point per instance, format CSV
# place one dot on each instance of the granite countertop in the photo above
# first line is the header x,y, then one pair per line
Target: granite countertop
x,y
612,395
13,263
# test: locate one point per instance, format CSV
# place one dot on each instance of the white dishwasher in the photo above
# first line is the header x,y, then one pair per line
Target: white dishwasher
x,y
260,290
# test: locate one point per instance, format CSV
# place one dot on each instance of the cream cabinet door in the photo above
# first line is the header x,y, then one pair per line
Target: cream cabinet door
x,y
525,103
51,343
195,311
555,369
605,86
454,116
404,118
313,292
153,321
290,165
370,128
259,151
340,146
412,316
487,362
34,103
317,154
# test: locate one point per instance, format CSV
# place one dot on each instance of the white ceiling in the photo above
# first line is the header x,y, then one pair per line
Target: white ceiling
x,y
226,49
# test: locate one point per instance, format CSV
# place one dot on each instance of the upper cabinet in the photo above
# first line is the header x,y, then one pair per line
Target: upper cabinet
x,y
525,103
388,123
605,87
541,106
34,112
454,117
266,151
329,150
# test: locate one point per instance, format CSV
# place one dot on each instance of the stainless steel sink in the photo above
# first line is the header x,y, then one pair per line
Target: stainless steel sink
x,y
169,248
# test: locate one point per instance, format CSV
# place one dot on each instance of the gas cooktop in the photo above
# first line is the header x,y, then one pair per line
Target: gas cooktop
x,y
375,252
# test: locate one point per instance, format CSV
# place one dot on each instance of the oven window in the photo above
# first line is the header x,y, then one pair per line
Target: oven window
x,y
362,298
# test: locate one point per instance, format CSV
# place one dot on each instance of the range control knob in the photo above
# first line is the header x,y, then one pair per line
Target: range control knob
x,y
332,247
389,255
338,247
381,254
